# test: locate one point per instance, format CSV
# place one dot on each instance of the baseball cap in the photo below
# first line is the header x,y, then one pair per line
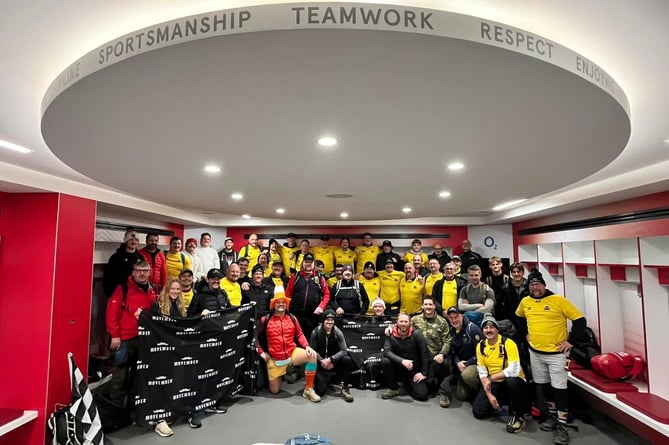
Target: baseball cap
x,y
214,273
308,257
453,309
325,238
369,265
387,243
291,235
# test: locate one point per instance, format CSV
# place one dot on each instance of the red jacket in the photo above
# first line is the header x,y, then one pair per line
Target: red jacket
x,y
158,275
281,334
121,321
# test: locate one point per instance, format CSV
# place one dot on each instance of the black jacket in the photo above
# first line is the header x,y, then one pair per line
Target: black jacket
x,y
119,268
260,295
351,296
382,257
443,258
412,348
208,298
438,290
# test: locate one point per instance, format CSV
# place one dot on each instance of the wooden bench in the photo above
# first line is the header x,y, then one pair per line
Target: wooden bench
x,y
11,419
633,407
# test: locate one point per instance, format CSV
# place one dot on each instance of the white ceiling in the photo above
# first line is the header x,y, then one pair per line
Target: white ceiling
x,y
138,133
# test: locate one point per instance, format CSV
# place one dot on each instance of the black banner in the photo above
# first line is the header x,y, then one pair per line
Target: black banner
x,y
190,364
365,337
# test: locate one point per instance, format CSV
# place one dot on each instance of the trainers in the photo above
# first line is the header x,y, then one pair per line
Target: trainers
x,y
515,424
311,395
216,410
444,401
194,423
390,393
561,435
346,395
549,424
163,429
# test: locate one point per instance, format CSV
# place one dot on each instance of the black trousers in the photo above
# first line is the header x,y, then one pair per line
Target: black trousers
x,y
340,374
509,392
394,373
436,377
308,321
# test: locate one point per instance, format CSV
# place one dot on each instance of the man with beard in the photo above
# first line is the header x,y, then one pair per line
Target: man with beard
x,y
258,292
198,266
388,254
405,358
411,291
476,298
228,255
287,250
210,297
437,334
432,277
230,285
445,291
120,264
187,291
371,283
156,259
465,337
367,252
348,296
309,294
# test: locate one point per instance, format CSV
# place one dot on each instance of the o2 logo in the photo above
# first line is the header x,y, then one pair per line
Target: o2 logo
x,y
489,242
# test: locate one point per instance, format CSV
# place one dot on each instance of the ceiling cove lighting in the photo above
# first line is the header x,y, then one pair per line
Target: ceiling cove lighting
x,y
406,209
327,141
343,215
444,194
246,216
14,147
506,205
454,166
237,196
280,211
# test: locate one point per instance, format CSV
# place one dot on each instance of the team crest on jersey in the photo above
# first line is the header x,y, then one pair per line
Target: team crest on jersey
x,y
547,308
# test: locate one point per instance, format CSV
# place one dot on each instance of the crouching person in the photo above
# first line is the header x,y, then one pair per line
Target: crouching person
x,y
502,378
334,363
278,333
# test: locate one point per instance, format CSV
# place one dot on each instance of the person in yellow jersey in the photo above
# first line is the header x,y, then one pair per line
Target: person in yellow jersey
x,y
274,251
230,285
263,261
432,277
287,250
277,277
325,253
546,314
298,256
345,255
411,291
251,250
502,377
187,291
390,287
175,259
336,275
416,249
446,290
366,252
371,283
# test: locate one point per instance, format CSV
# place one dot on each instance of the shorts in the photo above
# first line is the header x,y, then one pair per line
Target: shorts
x,y
275,371
549,368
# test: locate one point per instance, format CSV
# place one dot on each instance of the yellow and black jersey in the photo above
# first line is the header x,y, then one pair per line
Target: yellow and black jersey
x,y
411,296
373,288
233,290
287,257
498,356
326,255
449,294
187,297
429,283
365,254
390,285
408,257
343,258
547,320
251,253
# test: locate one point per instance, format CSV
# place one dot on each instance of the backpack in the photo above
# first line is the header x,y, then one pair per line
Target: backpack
x,y
488,279
618,365
338,287
584,348
308,439
508,330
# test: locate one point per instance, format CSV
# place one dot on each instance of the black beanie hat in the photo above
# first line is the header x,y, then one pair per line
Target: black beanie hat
x,y
535,276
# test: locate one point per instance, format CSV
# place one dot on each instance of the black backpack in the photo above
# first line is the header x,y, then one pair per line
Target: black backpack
x,y
584,348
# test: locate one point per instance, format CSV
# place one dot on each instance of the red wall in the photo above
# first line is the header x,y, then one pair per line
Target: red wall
x,y
46,257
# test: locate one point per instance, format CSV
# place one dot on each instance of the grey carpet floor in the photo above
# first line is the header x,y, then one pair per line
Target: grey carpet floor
x,y
267,418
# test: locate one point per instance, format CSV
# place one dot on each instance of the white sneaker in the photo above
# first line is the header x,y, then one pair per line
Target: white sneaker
x,y
163,429
311,395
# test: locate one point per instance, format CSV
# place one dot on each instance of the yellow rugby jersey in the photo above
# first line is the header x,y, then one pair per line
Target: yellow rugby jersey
x,y
373,288
274,257
411,296
493,356
429,283
174,264
408,257
547,320
187,297
343,258
326,255
296,263
449,294
390,285
332,281
233,290
277,281
365,254
251,253
286,256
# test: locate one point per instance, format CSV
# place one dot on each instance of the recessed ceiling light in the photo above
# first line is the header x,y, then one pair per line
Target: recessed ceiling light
x,y
280,211
212,168
237,196
327,141
444,194
246,216
456,166
506,205
343,215
406,209
10,146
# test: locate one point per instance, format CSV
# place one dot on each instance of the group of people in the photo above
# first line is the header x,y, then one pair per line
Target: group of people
x,y
445,336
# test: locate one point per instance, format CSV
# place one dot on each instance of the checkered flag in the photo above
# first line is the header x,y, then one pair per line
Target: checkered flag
x,y
83,408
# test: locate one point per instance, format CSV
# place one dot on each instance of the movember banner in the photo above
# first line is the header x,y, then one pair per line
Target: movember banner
x,y
189,364
365,337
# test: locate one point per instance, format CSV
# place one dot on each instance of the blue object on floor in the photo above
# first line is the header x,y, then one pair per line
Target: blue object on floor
x,y
308,439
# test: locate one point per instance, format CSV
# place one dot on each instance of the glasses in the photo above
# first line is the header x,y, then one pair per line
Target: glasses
x,y
142,270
